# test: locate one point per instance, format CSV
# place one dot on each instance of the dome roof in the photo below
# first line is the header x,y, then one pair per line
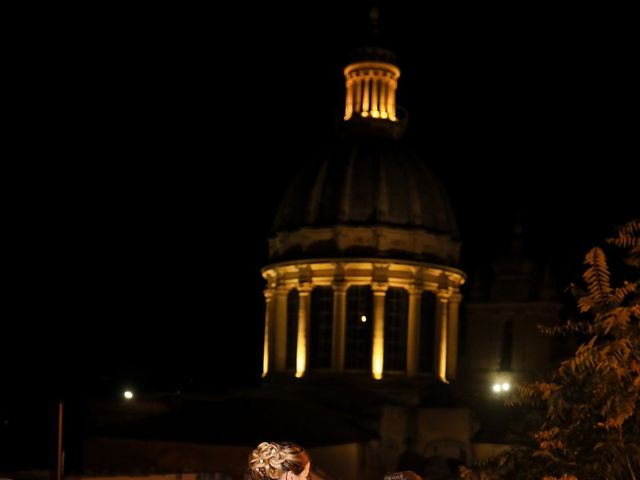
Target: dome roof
x,y
367,183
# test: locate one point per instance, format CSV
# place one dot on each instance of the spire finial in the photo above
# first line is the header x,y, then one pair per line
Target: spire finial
x,y
374,16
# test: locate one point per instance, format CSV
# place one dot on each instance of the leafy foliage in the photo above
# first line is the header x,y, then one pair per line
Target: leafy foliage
x,y
590,428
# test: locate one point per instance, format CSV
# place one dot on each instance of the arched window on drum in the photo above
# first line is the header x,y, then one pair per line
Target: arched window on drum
x,y
396,315
359,331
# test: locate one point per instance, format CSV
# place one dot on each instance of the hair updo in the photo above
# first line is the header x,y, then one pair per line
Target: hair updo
x,y
270,460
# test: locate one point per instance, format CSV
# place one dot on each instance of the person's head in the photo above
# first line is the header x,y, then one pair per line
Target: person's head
x,y
279,461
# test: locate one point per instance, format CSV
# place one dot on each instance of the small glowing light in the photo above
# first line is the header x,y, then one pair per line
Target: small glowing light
x,y
505,387
496,387
363,318
128,394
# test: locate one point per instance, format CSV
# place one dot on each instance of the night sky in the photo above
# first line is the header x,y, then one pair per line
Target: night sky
x,y
144,198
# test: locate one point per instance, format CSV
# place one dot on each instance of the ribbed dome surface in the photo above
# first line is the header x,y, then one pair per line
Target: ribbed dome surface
x,y
364,183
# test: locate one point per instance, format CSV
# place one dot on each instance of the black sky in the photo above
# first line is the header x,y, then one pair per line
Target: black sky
x,y
163,141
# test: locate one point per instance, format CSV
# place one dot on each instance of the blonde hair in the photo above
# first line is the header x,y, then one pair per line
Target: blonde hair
x,y
270,460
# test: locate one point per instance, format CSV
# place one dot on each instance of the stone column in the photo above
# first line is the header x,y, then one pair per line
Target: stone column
x,y
348,107
441,333
339,325
268,314
452,335
413,330
375,113
391,100
280,321
383,97
304,315
365,95
377,358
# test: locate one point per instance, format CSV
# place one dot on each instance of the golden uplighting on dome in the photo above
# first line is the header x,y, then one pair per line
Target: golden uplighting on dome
x,y
371,90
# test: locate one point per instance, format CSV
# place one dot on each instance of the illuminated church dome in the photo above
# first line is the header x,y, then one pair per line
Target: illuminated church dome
x,y
370,183
367,194
364,249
